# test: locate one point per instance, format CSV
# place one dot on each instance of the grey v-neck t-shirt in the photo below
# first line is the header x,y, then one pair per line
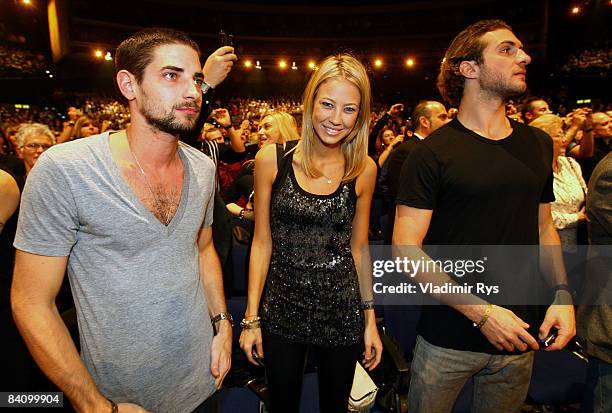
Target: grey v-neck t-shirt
x,y
144,327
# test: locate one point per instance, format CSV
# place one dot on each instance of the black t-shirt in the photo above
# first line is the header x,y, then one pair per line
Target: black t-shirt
x,y
482,192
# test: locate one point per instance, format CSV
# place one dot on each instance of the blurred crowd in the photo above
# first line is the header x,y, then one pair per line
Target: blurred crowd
x,y
598,60
236,129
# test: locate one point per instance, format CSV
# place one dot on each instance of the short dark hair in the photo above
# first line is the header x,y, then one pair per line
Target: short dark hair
x,y
136,52
467,45
421,109
527,105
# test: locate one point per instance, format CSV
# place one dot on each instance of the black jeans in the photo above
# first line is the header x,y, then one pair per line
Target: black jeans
x,y
284,362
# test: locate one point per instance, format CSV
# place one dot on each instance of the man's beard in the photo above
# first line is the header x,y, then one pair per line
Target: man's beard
x,y
493,84
169,123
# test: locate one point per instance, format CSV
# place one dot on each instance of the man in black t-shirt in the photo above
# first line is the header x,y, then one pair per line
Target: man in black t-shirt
x,y
481,179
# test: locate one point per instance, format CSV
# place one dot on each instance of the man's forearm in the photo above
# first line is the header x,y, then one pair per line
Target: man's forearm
x,y
212,280
53,349
436,277
587,145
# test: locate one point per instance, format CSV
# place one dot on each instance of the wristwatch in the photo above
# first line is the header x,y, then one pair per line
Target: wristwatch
x,y
222,316
206,87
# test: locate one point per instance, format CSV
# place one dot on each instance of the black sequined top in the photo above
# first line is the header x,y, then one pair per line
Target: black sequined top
x,y
312,290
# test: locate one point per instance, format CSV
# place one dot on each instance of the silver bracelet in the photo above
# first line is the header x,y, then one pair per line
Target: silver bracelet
x,y
367,305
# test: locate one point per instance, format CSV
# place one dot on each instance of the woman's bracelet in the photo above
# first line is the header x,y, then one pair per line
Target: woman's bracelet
x,y
367,305
250,324
485,317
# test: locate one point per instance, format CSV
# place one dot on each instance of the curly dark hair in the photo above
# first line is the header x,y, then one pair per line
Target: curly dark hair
x,y
467,45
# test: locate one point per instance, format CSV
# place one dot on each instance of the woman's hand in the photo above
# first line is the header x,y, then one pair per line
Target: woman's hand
x,y
373,347
396,141
251,342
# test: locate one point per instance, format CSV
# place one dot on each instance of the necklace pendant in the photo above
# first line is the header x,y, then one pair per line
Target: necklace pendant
x,y
329,181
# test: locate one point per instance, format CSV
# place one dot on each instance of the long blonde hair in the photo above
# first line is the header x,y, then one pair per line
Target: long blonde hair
x,y
355,145
287,126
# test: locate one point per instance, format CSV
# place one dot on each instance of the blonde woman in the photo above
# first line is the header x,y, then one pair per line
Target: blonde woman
x,y
82,128
568,209
309,277
569,186
277,127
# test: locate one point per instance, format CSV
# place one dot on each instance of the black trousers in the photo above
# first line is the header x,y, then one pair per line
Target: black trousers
x,y
285,361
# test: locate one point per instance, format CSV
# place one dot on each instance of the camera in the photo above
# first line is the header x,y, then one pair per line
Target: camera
x,y
226,39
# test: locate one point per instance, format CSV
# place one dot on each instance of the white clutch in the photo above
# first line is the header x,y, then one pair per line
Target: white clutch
x,y
363,392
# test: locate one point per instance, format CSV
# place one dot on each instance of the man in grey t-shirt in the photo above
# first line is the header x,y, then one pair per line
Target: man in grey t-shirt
x,y
129,216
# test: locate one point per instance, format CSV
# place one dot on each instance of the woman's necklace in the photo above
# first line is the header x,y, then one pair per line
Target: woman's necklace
x,y
165,213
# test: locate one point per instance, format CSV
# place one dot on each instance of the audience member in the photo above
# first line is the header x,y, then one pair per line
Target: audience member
x,y
275,128
568,208
579,133
311,234
428,116
134,202
594,316
459,187
32,140
533,108
376,145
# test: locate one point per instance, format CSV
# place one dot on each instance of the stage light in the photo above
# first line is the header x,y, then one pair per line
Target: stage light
x,y
47,72
575,10
378,63
293,66
26,2
257,65
248,63
98,53
282,64
108,56
311,65
51,76
410,62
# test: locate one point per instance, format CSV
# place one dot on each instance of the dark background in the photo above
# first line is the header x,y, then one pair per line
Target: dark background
x,y
303,30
